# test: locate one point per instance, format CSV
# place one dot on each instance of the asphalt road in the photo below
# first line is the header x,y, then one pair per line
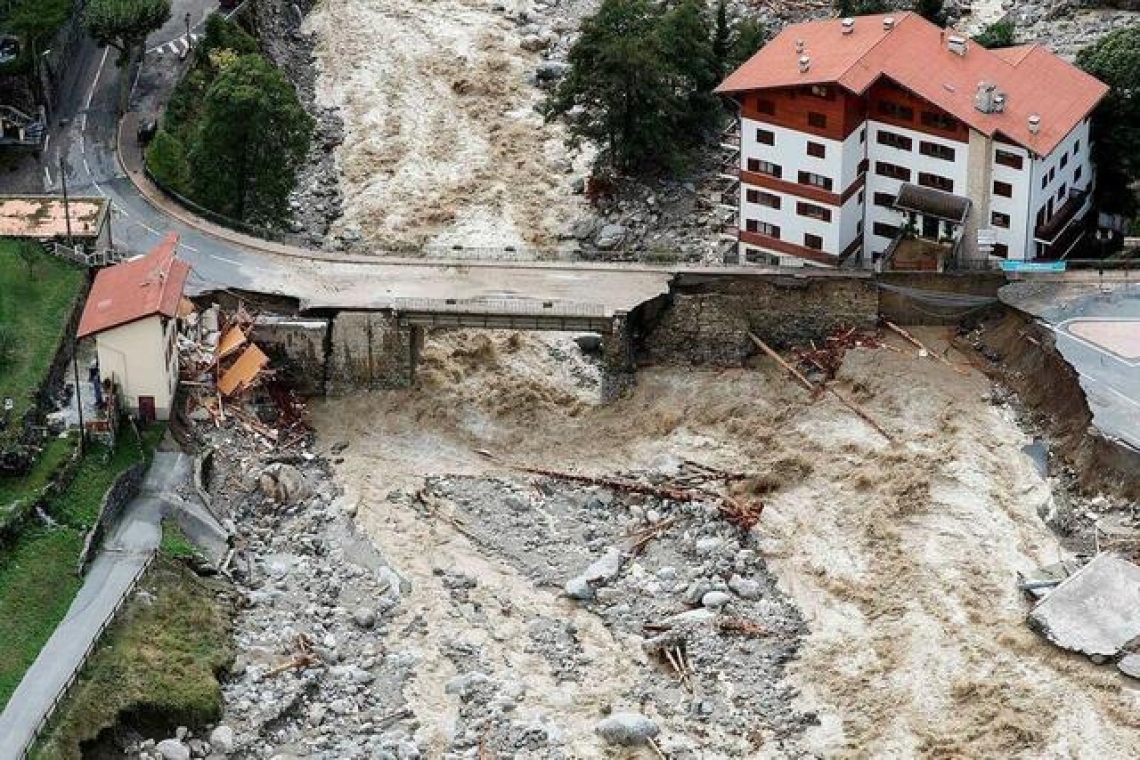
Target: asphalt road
x,y
1110,381
108,581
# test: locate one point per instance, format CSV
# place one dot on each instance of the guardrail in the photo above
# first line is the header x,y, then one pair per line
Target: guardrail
x,y
22,753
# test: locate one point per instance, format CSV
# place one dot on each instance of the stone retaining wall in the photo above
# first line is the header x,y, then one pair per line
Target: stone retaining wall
x,y
709,317
125,488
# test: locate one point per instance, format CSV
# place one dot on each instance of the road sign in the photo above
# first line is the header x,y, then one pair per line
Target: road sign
x,y
1033,266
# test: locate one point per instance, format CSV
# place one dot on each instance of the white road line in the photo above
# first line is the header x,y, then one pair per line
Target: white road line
x,y
183,45
1068,333
82,145
47,142
95,81
120,209
47,178
173,49
98,189
190,248
151,230
223,258
87,166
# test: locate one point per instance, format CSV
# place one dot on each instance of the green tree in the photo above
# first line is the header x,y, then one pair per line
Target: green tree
x,y
691,69
848,8
748,36
124,26
722,39
1115,60
166,159
931,10
999,35
618,86
253,136
224,34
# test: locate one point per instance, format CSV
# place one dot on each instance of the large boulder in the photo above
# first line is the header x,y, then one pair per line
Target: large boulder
x,y
627,729
610,237
222,739
172,749
283,483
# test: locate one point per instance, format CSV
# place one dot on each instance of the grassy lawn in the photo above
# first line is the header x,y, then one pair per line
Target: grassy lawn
x,y
175,544
17,492
33,314
160,660
37,570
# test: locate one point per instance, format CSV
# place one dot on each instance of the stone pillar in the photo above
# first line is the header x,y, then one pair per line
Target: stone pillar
x,y
617,358
979,181
369,350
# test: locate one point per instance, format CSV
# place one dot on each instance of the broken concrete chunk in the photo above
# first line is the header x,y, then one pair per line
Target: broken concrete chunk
x,y
283,483
604,569
1130,665
1096,611
714,600
627,729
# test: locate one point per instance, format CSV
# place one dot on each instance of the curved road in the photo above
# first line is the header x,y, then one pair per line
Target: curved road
x,y
87,143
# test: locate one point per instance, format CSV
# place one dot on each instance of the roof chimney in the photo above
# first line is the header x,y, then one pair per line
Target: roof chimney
x,y
984,97
889,23
999,102
957,44
848,25
1034,124
805,63
799,46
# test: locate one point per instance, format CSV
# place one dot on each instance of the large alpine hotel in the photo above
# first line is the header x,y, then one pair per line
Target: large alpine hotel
x,y
891,142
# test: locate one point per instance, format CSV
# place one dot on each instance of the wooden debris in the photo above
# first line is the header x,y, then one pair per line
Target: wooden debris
x,y
922,347
742,626
814,389
303,657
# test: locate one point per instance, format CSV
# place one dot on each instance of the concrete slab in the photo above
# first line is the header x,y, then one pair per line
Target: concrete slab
x,y
1096,611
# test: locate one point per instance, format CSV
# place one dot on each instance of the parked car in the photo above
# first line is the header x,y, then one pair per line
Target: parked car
x,y
146,131
9,49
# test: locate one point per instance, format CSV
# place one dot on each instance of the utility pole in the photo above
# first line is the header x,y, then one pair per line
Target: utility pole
x,y
189,39
78,394
66,205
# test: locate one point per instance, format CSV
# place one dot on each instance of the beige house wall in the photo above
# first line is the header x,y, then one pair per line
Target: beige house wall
x,y
141,357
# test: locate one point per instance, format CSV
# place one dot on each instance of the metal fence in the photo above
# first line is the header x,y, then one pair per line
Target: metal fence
x,y
78,254
24,751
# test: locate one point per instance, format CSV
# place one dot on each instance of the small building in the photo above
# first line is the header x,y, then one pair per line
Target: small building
x,y
888,141
82,220
132,314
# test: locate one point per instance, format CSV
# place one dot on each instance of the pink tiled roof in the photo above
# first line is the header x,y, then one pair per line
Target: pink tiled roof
x,y
914,54
123,293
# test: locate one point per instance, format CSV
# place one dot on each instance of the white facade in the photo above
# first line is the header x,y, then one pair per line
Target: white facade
x,y
1004,200
141,357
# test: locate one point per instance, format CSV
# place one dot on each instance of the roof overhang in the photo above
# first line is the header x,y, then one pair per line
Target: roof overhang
x,y
930,202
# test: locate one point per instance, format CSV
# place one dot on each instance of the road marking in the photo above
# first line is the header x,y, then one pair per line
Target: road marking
x,y
82,145
183,46
223,258
47,178
47,143
97,188
120,209
87,166
190,248
151,230
91,92
1067,333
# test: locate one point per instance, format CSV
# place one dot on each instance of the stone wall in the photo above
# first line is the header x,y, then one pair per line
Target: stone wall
x,y
369,350
125,488
297,347
902,309
709,317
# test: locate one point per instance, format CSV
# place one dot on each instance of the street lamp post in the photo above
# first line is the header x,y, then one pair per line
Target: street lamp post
x,y
189,39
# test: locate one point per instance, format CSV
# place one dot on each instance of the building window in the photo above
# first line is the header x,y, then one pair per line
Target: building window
x,y
898,111
815,180
939,120
1064,160
999,219
1004,189
893,140
862,135
886,200
862,195
765,137
1044,180
1077,174
894,171
813,211
764,167
820,91
864,165
762,228
817,150
1061,191
817,120
761,198
1005,158
882,229
1001,250
945,184
814,242
766,107
934,150
1076,148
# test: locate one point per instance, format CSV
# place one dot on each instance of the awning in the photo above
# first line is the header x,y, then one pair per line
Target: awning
x,y
1049,232
930,202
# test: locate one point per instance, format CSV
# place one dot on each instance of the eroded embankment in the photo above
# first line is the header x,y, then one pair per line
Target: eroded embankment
x,y
1021,354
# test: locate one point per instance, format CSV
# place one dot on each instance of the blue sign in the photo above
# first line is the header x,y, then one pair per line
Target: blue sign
x,y
1033,266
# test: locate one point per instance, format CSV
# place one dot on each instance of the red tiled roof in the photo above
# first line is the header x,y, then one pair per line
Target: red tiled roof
x,y
915,55
126,292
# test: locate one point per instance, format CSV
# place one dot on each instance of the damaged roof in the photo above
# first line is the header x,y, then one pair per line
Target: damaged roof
x,y
135,289
914,53
243,372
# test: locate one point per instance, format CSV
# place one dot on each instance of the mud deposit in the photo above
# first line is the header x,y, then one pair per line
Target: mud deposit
x,y
901,560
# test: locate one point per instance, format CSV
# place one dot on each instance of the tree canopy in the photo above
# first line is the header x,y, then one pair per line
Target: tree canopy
x,y
999,35
252,137
1115,60
641,79
124,24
